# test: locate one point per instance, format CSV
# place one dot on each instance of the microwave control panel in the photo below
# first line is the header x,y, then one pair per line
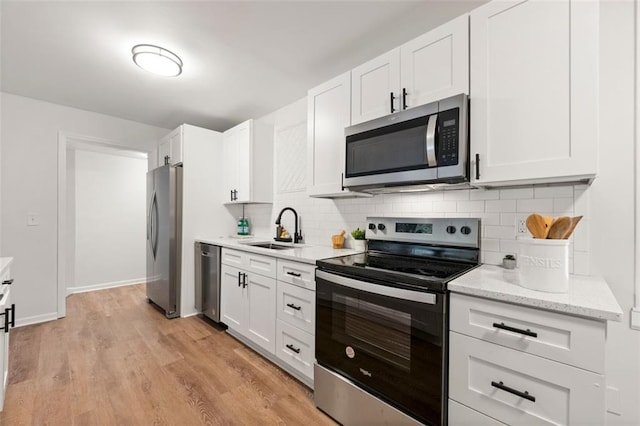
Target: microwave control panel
x,y
448,138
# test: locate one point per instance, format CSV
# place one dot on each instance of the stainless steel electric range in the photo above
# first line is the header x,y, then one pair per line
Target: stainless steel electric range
x,y
382,321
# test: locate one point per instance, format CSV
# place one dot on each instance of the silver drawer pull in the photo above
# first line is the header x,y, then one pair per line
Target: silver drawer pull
x,y
505,388
526,332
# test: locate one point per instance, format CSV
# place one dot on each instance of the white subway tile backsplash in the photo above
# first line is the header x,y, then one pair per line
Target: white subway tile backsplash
x,y
500,232
581,236
563,206
490,244
553,192
462,194
489,218
507,219
516,194
470,206
509,246
537,205
581,263
484,194
444,206
500,206
492,258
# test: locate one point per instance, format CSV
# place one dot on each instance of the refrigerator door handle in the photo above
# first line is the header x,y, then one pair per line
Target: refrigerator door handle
x,y
153,232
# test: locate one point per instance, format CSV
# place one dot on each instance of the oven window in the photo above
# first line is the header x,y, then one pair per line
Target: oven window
x,y
384,333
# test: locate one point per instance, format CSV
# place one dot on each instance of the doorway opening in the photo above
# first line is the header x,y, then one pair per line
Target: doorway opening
x,y
101,215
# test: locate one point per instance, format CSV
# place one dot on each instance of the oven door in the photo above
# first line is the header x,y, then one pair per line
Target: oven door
x,y
386,340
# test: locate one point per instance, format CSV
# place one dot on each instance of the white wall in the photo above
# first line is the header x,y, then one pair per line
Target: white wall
x,y
110,220
29,161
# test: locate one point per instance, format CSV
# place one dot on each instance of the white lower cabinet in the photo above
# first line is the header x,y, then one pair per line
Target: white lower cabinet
x,y
295,347
7,320
461,415
248,305
519,365
274,316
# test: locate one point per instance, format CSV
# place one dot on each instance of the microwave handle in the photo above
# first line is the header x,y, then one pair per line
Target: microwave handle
x,y
430,140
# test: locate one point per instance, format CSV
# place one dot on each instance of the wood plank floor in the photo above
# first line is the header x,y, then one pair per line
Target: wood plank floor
x,y
116,360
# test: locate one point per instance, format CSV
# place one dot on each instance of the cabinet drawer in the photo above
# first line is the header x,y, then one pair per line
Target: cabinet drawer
x,y
295,347
297,306
258,263
232,257
300,274
461,415
6,275
486,377
564,338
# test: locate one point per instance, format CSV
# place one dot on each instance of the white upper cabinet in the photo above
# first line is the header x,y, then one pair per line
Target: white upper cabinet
x,y
430,67
375,87
248,163
436,65
329,111
534,92
171,146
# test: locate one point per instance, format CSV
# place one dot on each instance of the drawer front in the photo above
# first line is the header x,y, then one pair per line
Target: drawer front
x,y
564,338
295,347
487,378
461,415
263,265
232,257
296,273
6,275
297,306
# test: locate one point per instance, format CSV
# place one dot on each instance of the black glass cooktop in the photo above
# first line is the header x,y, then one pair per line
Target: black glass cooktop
x,y
399,271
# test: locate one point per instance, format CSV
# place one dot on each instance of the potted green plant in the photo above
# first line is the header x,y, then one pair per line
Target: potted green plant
x,y
358,242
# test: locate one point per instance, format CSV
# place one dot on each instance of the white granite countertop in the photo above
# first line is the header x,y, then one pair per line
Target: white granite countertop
x,y
298,252
588,297
4,263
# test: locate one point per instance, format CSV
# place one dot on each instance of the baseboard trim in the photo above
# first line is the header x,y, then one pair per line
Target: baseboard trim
x,y
104,286
36,319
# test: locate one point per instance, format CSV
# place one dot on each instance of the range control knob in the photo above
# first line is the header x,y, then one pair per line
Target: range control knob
x,y
465,230
381,227
451,229
372,226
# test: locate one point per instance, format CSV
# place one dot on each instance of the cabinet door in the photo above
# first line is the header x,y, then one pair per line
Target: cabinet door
x,y
238,162
534,91
436,64
260,311
176,146
373,85
231,298
164,150
329,110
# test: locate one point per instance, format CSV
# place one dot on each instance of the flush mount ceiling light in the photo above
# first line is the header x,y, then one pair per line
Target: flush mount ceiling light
x,y
157,60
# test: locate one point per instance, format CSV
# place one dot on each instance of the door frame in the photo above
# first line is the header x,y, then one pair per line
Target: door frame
x,y
66,141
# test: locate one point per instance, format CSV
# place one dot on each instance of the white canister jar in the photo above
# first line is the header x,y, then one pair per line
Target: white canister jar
x,y
544,265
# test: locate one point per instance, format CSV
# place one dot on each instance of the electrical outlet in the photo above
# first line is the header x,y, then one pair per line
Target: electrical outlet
x,y
521,225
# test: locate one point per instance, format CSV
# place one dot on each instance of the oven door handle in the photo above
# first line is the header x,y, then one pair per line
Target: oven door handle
x,y
398,293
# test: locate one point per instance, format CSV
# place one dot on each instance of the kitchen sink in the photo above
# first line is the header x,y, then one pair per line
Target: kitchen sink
x,y
271,246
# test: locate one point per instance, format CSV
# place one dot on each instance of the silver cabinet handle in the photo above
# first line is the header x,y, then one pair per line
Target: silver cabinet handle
x,y
430,140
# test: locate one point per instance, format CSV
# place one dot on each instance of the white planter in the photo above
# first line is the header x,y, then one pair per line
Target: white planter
x,y
360,245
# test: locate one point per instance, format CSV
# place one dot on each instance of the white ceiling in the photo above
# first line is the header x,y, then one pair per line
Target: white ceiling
x,y
241,59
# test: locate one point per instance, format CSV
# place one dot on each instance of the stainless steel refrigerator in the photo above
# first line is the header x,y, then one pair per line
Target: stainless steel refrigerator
x,y
164,238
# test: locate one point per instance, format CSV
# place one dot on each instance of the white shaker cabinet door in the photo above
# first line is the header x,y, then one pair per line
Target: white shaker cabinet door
x,y
375,87
534,91
436,65
260,311
231,298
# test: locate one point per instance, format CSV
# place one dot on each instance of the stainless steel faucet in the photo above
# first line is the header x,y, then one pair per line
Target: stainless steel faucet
x,y
297,234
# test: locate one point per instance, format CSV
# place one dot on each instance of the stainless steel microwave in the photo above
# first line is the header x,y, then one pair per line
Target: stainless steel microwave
x,y
420,146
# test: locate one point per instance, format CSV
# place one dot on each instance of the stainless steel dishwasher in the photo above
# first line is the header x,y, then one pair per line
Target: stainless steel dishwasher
x,y
208,280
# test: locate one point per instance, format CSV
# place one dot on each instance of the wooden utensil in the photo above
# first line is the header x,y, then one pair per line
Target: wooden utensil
x,y
548,221
574,222
536,225
559,228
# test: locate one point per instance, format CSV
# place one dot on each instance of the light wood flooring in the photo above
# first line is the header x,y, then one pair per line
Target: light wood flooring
x,y
116,360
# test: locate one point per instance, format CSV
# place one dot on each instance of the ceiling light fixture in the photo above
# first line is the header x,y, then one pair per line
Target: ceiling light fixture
x,y
157,60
